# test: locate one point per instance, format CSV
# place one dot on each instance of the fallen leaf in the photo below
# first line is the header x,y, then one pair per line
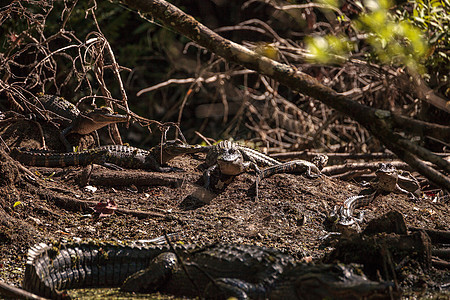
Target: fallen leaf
x,y
104,209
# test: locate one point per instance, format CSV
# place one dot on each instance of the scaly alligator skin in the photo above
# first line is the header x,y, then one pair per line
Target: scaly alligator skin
x,y
330,281
311,169
216,271
248,154
60,107
41,158
233,159
75,121
388,180
342,216
117,155
78,122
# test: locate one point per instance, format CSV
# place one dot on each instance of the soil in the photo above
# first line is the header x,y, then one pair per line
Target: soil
x,y
47,204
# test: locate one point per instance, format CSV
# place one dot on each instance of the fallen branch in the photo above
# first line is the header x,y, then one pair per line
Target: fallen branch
x,y
73,204
127,178
339,157
379,122
436,236
12,292
418,127
372,166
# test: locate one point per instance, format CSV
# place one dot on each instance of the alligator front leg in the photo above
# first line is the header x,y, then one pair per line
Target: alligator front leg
x,y
400,190
160,275
63,139
251,166
154,276
207,176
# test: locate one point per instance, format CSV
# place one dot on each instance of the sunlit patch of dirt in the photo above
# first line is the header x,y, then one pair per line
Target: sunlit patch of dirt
x,y
290,213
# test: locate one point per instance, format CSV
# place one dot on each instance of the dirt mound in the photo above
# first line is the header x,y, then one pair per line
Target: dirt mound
x,y
46,204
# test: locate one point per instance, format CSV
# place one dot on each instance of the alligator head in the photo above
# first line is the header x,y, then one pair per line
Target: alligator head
x,y
337,282
387,176
320,160
96,119
231,161
172,148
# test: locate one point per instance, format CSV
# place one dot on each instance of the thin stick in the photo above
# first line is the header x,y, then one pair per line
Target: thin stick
x,y
183,266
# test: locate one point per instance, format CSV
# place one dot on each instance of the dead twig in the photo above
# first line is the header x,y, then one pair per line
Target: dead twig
x,y
210,79
372,166
440,263
378,122
12,292
182,264
119,178
73,204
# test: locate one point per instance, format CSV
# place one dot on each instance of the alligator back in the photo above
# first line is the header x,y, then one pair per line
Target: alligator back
x,y
255,269
42,158
129,157
59,106
247,153
51,269
119,155
249,269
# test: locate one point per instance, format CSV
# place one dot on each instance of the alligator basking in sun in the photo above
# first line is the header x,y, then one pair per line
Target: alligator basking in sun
x,y
218,271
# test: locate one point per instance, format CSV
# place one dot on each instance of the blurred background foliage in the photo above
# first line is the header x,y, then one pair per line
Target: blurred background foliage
x,y
236,103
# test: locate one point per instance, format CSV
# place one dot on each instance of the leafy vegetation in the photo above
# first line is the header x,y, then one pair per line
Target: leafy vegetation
x,y
208,94
433,18
413,34
393,40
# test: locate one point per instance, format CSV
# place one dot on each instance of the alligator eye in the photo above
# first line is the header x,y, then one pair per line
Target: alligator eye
x,y
231,151
105,109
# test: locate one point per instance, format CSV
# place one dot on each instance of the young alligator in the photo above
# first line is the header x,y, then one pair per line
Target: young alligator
x,y
75,121
233,159
110,156
388,180
311,169
219,271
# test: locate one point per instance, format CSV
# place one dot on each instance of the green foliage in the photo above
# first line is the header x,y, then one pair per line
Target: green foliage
x,y
393,41
433,18
329,49
333,3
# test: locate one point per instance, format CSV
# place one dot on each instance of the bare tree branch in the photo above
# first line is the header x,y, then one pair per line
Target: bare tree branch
x,y
378,122
418,127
